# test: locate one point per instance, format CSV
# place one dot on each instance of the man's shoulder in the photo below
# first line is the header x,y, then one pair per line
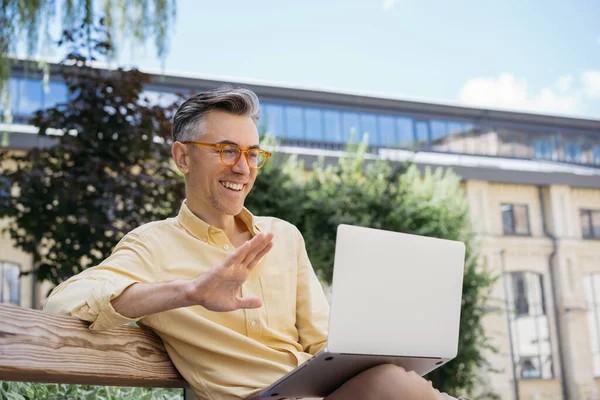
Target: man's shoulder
x,y
275,225
153,229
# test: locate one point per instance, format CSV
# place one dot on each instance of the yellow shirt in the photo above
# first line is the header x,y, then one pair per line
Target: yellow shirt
x,y
226,355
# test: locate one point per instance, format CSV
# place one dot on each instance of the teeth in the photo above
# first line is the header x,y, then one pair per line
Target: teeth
x,y
234,186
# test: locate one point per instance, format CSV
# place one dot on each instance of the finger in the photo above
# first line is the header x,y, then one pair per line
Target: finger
x,y
240,254
258,248
237,256
249,302
259,256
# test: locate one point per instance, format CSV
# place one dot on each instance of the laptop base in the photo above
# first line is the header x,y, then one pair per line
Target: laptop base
x,y
326,372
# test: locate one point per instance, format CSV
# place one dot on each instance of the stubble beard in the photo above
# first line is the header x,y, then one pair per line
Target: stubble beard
x,y
223,206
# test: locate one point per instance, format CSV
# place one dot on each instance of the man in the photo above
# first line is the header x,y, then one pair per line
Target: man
x,y
233,296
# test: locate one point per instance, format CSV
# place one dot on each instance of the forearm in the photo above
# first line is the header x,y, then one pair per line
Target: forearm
x,y
142,299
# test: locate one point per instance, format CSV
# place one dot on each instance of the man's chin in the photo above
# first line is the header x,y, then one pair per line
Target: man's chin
x,y
231,209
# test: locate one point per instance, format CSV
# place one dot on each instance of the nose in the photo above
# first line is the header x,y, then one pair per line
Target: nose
x,y
241,166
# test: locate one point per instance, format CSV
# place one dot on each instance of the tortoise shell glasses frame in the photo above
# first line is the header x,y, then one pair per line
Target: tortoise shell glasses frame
x,y
230,154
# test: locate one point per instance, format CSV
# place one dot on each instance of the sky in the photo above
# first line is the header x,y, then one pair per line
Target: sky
x,y
538,56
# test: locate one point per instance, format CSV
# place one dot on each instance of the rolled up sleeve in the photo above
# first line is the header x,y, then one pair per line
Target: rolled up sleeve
x,y
88,295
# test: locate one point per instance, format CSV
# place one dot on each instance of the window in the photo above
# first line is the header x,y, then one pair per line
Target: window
x,y
387,133
573,152
590,223
457,136
406,134
368,124
515,219
294,123
457,128
439,130
271,120
30,96
521,144
13,89
543,149
596,155
592,149
333,126
591,286
58,93
521,305
503,138
422,134
314,124
529,325
10,283
351,129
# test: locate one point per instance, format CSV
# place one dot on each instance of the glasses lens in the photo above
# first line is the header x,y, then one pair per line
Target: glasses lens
x,y
256,158
230,154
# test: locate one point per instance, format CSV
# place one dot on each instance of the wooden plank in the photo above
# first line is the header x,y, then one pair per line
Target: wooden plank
x,y
41,347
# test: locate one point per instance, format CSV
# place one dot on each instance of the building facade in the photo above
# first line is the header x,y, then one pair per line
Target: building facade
x,y
533,184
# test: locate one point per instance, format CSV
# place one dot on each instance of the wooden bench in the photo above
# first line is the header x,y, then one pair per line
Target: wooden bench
x,y
40,347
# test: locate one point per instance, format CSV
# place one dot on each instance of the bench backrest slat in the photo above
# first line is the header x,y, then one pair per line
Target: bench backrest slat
x,y
41,347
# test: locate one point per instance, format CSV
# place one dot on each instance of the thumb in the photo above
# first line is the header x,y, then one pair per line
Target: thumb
x,y
250,302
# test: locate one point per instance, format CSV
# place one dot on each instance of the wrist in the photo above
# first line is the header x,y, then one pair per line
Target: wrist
x,y
190,293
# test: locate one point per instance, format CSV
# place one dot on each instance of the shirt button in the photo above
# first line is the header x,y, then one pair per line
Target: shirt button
x,y
204,240
226,246
253,323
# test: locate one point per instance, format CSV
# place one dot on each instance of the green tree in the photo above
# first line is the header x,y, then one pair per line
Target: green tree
x,y
134,19
398,198
109,172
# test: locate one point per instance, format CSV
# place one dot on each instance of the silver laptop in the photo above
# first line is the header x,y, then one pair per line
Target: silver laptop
x,y
396,299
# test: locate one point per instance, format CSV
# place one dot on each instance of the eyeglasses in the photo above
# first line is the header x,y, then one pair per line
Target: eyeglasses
x,y
230,154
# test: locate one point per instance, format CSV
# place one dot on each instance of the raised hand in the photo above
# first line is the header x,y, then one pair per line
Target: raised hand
x,y
217,289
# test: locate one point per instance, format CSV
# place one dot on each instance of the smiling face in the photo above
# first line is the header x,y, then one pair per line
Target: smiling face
x,y
213,188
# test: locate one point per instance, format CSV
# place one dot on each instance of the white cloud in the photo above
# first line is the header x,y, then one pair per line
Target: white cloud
x,y
564,83
387,4
591,83
567,95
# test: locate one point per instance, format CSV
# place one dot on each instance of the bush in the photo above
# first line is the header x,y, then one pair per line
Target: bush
x,y
42,391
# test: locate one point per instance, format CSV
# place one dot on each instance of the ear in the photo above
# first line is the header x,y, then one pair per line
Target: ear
x,y
180,156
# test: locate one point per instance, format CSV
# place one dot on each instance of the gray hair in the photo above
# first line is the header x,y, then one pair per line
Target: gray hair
x,y
187,123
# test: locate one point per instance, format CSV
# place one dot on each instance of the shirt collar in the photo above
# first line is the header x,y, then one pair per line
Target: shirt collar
x,y
200,229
